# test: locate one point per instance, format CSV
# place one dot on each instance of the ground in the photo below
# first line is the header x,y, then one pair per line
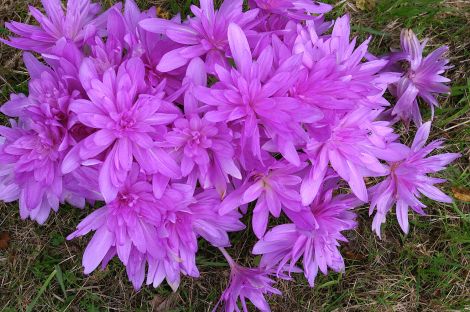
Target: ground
x,y
426,270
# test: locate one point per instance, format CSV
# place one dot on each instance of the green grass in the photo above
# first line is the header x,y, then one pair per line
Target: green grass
x,y
426,270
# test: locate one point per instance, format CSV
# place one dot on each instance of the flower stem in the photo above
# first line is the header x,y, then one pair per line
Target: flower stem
x,y
229,259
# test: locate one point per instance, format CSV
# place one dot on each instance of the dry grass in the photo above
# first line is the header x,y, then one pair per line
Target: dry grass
x,y
427,270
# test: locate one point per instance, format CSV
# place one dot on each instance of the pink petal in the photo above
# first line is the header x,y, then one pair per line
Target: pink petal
x,y
54,10
421,136
273,202
35,68
107,188
260,218
313,181
231,202
240,48
124,153
356,182
253,192
196,72
96,143
159,184
72,160
287,149
87,73
97,249
402,215
434,193
171,60
156,25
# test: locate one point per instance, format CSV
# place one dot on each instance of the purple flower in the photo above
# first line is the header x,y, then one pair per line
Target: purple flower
x,y
317,244
77,24
292,9
185,218
408,179
30,154
49,96
51,90
423,78
110,52
34,147
247,283
176,239
209,224
335,77
255,98
273,187
125,118
128,226
353,146
81,186
152,47
203,35
125,39
205,151
163,232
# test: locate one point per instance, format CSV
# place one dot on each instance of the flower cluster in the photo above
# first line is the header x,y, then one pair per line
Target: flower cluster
x,y
181,127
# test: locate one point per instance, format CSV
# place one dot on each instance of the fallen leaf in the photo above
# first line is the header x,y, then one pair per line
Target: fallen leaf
x,y
4,240
349,254
12,256
365,4
162,13
462,194
161,304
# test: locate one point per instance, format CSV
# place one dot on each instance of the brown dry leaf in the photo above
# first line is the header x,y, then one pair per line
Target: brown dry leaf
x,y
4,240
161,304
162,13
461,193
12,256
365,4
349,254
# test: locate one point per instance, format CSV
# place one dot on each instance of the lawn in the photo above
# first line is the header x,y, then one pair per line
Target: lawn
x,y
426,270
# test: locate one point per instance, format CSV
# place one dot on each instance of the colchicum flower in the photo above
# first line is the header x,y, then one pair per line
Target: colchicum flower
x,y
80,22
315,238
30,157
292,9
125,226
125,118
247,283
353,146
255,99
203,35
129,227
335,77
408,179
185,219
33,148
423,78
206,152
273,188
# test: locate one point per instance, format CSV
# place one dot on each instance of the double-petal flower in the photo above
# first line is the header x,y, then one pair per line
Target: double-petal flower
x,y
124,117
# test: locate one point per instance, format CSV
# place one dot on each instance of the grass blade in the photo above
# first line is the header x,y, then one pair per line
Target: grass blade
x,y
462,215
60,279
41,291
369,30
